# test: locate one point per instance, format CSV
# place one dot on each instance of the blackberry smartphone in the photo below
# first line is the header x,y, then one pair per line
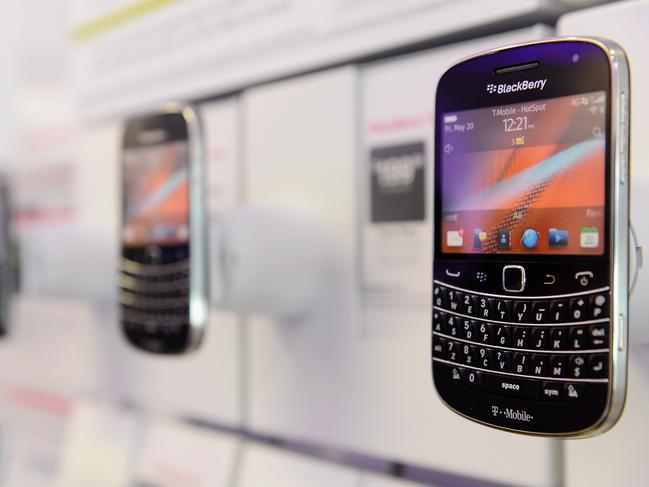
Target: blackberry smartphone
x,y
531,237
162,284
7,256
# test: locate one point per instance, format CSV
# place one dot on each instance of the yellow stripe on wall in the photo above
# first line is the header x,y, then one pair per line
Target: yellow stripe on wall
x,y
118,18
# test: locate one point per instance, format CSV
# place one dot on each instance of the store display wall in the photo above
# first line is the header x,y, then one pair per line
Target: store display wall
x,y
351,372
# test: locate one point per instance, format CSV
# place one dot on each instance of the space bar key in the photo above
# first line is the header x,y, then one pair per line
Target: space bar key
x,y
512,386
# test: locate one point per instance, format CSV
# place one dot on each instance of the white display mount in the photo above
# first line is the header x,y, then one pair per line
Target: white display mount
x,y
252,247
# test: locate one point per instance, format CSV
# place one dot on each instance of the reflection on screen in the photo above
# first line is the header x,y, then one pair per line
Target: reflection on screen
x,y
525,178
156,195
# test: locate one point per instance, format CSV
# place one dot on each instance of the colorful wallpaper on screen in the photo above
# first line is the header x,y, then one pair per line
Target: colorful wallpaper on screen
x,y
525,178
156,191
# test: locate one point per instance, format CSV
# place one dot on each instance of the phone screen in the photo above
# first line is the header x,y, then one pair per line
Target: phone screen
x,y
156,195
525,178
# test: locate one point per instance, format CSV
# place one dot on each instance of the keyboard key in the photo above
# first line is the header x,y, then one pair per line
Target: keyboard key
x,y
454,300
558,366
468,329
540,365
456,374
540,338
485,308
503,335
522,337
598,306
439,297
472,378
577,338
453,352
558,311
485,333
503,310
439,347
552,391
485,358
512,386
453,324
521,312
468,355
439,321
558,339
540,312
598,335
172,330
577,367
573,391
598,365
578,309
503,360
173,255
521,363
469,305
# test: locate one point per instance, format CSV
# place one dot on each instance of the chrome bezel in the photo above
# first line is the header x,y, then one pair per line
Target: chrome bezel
x,y
198,277
523,278
618,235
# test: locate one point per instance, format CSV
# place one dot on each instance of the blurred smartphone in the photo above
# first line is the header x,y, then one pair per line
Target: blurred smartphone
x,y
8,270
163,281
531,237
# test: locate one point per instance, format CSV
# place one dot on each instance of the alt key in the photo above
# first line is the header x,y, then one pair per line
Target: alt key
x,y
574,391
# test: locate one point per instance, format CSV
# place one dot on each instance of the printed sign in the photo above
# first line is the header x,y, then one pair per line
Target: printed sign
x,y
397,180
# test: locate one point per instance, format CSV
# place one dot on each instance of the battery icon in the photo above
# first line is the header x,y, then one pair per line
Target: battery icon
x,y
520,140
450,118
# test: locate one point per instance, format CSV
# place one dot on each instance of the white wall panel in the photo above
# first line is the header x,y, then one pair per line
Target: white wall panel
x,y
32,434
174,454
66,314
625,23
299,148
324,379
383,481
55,341
203,384
266,466
99,448
619,457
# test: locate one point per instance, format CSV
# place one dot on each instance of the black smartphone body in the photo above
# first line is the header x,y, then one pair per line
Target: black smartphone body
x,y
8,269
163,281
531,209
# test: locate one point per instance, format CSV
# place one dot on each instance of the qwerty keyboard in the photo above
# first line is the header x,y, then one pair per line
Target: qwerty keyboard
x,y
154,300
527,348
